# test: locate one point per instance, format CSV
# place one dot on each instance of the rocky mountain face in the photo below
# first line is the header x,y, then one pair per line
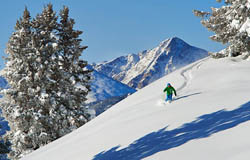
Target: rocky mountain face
x,y
139,70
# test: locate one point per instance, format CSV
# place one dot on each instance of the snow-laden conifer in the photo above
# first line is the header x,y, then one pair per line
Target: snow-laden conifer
x,y
48,82
231,24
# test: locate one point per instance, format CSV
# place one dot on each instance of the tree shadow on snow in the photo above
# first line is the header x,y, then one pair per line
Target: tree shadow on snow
x,y
163,139
193,94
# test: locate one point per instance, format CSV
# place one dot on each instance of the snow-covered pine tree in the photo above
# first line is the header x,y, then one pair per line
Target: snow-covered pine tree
x,y
48,81
17,102
73,69
231,24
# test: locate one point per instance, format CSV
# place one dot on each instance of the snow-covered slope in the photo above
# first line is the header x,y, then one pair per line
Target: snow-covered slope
x,y
3,123
103,87
139,70
209,120
3,83
105,92
103,105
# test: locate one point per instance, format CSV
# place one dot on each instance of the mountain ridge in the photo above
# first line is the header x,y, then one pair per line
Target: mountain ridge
x,y
139,70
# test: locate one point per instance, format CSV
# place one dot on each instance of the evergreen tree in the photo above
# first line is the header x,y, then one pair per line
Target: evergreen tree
x,y
16,102
231,26
48,82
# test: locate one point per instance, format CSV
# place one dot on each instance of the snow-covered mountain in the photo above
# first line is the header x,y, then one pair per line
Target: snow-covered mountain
x,y
98,107
105,92
3,83
103,88
3,123
210,119
139,70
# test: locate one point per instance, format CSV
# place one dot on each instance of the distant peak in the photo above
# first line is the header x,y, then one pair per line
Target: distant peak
x,y
176,39
173,41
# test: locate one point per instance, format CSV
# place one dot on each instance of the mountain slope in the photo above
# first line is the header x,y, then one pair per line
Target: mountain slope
x,y
105,92
3,123
103,87
3,83
210,119
142,69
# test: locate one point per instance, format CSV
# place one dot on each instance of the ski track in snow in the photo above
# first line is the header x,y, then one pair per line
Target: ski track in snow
x,y
187,73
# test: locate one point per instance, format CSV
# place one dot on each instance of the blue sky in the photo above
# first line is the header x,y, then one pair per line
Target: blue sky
x,y
118,27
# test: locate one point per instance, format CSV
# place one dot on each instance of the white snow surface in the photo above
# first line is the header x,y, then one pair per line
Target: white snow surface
x,y
208,120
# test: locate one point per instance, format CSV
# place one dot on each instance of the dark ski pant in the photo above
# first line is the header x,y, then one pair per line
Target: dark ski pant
x,y
169,97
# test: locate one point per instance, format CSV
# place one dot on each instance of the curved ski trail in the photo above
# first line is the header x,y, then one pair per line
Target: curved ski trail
x,y
186,73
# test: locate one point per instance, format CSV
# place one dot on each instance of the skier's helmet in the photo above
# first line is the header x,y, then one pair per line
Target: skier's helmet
x,y
168,84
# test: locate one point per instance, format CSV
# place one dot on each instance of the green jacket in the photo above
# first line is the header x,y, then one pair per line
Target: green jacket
x,y
170,90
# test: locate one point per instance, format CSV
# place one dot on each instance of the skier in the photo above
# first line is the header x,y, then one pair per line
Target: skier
x,y
169,90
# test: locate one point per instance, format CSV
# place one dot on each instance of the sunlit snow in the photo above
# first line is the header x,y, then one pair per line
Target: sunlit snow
x,y
208,120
